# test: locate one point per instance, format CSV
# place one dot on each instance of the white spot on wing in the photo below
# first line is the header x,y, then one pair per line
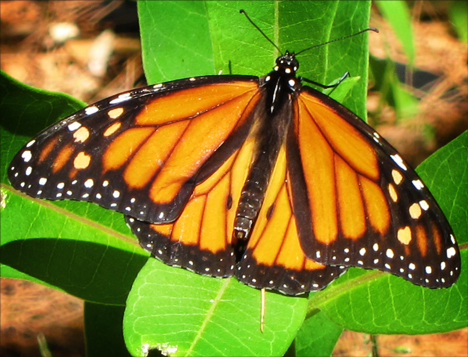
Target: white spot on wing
x,y
26,155
89,183
399,161
121,98
424,205
74,126
451,252
418,184
91,110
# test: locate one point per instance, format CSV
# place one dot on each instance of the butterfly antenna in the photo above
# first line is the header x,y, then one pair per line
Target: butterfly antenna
x,y
258,28
341,38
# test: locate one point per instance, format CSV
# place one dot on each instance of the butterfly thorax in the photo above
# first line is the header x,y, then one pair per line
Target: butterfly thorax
x,y
281,83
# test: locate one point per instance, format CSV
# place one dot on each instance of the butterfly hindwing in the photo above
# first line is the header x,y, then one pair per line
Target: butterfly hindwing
x,y
365,206
274,258
201,237
198,240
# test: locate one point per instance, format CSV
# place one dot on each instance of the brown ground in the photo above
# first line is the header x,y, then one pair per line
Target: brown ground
x,y
451,344
30,311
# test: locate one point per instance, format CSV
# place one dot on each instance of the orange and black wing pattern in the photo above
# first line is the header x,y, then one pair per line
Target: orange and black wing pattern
x,y
200,240
365,206
139,152
274,258
261,178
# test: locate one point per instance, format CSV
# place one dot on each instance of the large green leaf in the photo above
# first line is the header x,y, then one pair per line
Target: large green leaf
x,y
192,315
191,38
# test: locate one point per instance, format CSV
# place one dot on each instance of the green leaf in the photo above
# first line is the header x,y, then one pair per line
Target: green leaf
x,y
397,14
184,38
66,251
186,314
392,91
103,329
458,13
317,336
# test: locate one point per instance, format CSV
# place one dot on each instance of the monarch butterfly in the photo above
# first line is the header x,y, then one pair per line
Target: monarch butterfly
x,y
262,178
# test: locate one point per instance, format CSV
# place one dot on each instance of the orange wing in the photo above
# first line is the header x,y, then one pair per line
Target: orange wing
x,y
274,258
141,152
364,205
200,239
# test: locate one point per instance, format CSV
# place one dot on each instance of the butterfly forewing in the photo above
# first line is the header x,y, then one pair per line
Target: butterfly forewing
x,y
365,206
129,152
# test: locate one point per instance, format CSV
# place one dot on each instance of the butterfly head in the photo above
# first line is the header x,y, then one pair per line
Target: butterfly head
x,y
287,63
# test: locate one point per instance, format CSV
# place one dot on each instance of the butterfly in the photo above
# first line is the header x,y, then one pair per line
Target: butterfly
x,y
262,178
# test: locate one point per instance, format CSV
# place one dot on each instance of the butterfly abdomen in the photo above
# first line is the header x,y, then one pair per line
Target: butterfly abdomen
x,y
270,134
